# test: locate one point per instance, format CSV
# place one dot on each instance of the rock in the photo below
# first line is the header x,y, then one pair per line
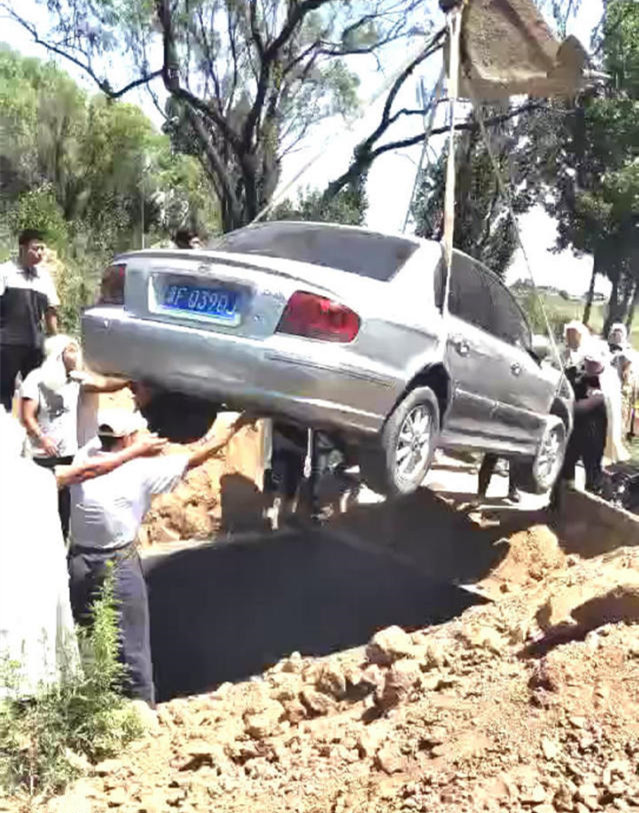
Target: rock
x,y
586,793
434,655
485,638
435,736
294,711
390,759
550,748
152,803
293,663
77,761
545,808
286,686
564,795
117,797
372,737
534,795
401,678
332,680
264,723
317,703
108,766
146,715
577,722
389,645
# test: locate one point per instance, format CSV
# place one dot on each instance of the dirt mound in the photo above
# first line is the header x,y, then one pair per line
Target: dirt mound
x,y
533,554
484,713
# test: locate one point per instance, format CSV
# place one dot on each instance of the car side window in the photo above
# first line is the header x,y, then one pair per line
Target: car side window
x,y
470,296
510,324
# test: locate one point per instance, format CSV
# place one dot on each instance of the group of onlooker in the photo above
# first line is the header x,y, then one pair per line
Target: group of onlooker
x,y
602,375
63,442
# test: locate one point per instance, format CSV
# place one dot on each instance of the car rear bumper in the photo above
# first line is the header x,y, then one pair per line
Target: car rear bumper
x,y
309,382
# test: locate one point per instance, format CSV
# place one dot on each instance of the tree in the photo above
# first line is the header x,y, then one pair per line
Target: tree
x,y
582,162
246,80
484,227
93,174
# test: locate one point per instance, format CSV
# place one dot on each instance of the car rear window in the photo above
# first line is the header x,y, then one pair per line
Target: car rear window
x,y
357,252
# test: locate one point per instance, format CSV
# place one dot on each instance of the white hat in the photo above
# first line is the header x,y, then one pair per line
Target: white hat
x,y
119,423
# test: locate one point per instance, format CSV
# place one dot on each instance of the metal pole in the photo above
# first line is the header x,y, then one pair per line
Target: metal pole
x,y
142,208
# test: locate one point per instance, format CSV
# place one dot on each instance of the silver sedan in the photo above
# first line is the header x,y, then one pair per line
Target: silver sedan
x,y
343,329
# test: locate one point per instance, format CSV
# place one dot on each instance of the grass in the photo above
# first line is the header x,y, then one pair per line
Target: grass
x,y
564,310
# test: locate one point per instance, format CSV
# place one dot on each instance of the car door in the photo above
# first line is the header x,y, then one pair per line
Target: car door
x,y
470,353
523,393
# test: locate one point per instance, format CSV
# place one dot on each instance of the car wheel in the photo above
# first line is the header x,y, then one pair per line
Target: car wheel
x,y
537,475
398,462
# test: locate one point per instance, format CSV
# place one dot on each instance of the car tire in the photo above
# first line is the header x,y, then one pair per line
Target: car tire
x,y
405,435
538,474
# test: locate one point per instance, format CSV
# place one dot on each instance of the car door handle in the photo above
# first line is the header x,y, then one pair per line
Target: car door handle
x,y
515,368
461,345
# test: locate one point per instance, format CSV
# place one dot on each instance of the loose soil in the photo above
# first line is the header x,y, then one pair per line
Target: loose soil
x,y
527,703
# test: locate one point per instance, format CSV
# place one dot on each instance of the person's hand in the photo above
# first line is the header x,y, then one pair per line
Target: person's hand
x,y
49,447
149,445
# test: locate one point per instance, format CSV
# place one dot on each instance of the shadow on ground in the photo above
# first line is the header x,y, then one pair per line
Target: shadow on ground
x,y
226,611
436,533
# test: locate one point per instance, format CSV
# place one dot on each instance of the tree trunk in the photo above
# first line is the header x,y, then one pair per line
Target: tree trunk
x,y
591,291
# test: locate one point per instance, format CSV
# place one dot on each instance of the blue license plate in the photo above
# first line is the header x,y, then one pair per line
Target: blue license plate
x,y
219,303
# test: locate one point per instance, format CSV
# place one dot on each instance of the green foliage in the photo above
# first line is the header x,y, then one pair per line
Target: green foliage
x,y
45,740
247,81
92,173
582,160
38,208
483,226
347,207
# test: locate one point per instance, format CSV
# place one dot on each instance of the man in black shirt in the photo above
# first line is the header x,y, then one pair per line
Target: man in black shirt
x,y
27,298
588,439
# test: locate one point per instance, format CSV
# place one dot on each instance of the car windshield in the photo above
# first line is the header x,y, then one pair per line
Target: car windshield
x,y
358,252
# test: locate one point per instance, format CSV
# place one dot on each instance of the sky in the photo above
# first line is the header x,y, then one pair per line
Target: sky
x,y
392,176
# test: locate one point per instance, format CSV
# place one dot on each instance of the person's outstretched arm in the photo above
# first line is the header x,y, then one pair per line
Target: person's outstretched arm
x,y
93,382
147,446
214,445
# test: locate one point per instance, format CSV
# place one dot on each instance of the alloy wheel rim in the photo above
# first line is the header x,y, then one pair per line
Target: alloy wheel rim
x,y
549,457
413,442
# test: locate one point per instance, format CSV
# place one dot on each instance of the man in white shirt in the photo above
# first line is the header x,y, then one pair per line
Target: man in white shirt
x,y
106,514
27,297
52,398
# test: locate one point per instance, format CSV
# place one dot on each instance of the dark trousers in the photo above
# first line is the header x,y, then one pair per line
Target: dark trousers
x,y
14,359
586,443
64,495
87,570
486,471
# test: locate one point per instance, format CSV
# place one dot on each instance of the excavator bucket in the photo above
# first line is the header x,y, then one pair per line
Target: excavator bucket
x,y
507,49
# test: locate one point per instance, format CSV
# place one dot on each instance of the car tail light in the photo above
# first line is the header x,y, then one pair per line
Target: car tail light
x,y
318,318
112,285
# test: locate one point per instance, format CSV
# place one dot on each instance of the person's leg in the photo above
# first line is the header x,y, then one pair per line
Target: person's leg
x,y
486,471
513,494
593,451
32,358
11,357
135,631
86,577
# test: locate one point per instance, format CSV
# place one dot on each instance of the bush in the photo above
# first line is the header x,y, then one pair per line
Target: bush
x,y
46,740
